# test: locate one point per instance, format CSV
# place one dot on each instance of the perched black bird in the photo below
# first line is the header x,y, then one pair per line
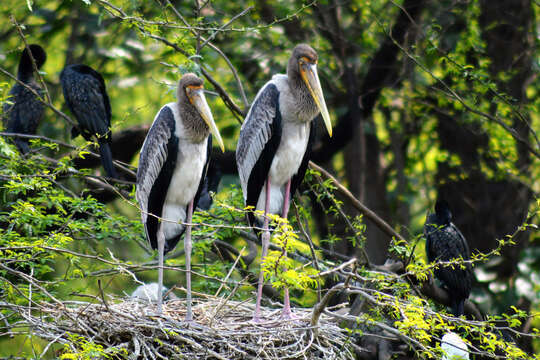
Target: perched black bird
x,y
24,112
444,242
86,97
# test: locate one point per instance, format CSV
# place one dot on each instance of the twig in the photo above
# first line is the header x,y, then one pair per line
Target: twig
x,y
381,224
349,224
311,247
34,65
119,164
319,307
230,272
103,296
33,91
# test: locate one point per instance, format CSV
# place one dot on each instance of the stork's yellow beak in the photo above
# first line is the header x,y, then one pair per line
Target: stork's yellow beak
x,y
198,100
311,78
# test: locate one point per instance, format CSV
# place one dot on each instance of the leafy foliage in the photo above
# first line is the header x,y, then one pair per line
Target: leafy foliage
x,y
59,243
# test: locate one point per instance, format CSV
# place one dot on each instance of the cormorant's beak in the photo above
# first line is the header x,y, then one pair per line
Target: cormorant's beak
x,y
310,77
198,100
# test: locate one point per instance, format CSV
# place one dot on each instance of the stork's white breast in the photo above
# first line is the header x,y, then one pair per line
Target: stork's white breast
x,y
184,185
187,173
291,150
285,164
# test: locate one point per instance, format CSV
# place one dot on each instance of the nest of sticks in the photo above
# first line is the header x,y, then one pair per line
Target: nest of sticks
x,y
222,330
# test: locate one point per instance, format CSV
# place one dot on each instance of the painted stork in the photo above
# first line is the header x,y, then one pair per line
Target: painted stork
x,y
444,242
275,144
172,168
86,97
25,110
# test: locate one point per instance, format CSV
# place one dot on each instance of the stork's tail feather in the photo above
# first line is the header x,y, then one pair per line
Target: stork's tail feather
x,y
106,158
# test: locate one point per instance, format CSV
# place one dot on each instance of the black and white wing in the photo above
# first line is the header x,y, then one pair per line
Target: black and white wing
x,y
156,166
259,140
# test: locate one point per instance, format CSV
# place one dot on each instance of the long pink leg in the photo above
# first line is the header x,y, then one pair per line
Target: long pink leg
x,y
265,245
187,250
161,247
287,313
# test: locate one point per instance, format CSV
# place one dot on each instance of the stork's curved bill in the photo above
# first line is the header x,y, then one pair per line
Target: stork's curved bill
x,y
198,100
311,78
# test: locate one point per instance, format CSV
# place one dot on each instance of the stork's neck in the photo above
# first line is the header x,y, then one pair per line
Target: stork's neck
x,y
196,128
306,107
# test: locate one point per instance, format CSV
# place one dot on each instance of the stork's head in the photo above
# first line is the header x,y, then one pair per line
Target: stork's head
x,y
191,88
304,62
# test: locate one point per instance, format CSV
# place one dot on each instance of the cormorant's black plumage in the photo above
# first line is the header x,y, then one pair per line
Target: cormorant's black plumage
x,y
23,113
86,97
444,242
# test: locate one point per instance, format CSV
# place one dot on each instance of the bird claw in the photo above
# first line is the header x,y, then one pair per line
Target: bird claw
x,y
257,319
288,315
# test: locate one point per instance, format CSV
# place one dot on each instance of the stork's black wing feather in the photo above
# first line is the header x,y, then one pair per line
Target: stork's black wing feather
x,y
259,140
156,166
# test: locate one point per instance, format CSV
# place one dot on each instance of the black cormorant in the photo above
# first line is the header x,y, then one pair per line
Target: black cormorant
x,y
86,97
275,144
24,112
444,242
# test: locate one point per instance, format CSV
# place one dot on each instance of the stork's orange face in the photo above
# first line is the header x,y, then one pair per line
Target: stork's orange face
x,y
195,95
308,71
191,89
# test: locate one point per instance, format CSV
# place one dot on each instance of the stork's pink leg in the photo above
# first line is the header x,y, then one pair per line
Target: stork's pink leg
x,y
161,247
265,245
187,250
286,313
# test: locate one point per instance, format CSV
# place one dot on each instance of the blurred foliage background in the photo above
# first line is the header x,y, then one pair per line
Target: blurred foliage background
x,y
427,99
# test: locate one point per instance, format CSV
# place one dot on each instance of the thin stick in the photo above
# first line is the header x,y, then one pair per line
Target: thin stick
x,y
381,224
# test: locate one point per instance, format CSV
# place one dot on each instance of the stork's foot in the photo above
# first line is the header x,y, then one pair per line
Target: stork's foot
x,y
288,315
257,319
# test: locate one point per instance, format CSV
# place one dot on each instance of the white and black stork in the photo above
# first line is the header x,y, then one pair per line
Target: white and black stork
x,y
445,243
275,144
24,110
172,168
